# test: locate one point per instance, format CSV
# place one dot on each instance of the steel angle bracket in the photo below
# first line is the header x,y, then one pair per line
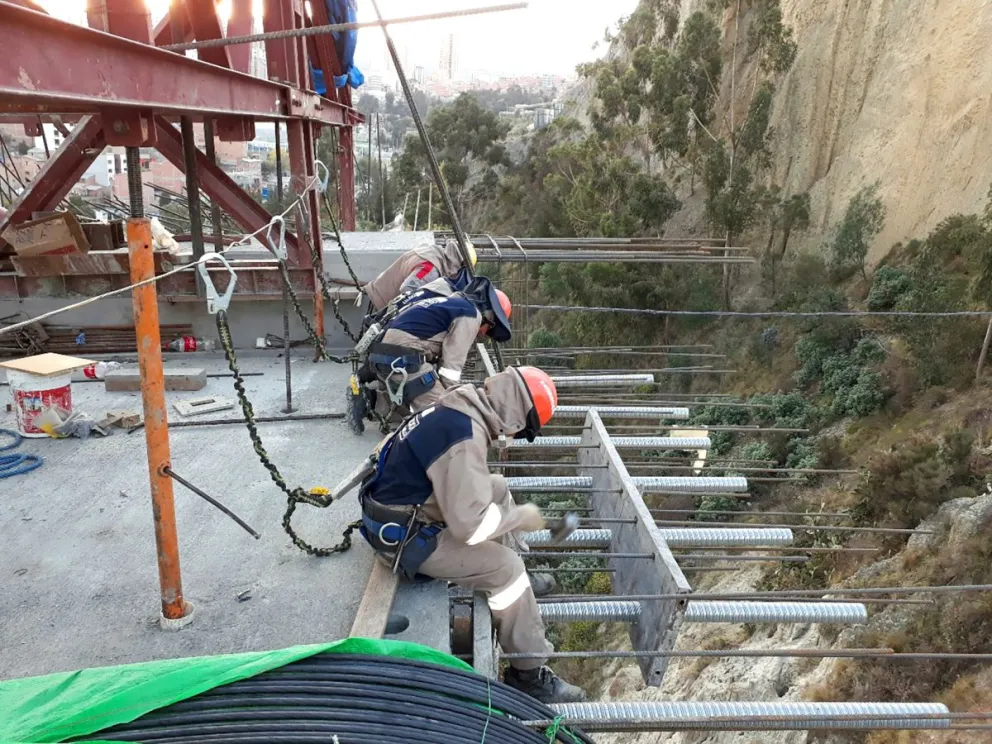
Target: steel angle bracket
x,y
216,302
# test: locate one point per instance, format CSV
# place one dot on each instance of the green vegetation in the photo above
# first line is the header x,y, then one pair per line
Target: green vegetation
x,y
862,222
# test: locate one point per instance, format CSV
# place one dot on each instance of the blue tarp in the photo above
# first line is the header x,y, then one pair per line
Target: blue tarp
x,y
342,11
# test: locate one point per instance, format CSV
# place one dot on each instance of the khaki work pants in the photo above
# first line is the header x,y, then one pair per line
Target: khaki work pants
x,y
497,570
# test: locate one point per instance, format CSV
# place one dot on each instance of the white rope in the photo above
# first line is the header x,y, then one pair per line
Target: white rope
x,y
298,201
105,295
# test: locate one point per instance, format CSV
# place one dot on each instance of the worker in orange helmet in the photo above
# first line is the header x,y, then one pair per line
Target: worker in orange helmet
x,y
433,508
425,345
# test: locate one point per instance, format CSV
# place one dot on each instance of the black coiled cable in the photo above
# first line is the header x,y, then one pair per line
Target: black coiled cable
x,y
359,699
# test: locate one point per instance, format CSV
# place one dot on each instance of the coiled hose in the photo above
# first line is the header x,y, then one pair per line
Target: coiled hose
x,y
358,699
11,465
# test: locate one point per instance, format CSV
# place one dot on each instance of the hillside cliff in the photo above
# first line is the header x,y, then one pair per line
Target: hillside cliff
x,y
898,91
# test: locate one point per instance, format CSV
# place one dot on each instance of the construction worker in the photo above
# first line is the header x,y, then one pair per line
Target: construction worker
x,y
433,508
415,268
424,347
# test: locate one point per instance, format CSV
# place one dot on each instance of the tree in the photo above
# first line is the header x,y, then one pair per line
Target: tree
x,y
862,222
23,148
468,143
368,104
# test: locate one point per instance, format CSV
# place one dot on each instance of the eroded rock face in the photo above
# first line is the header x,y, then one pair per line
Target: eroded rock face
x,y
900,92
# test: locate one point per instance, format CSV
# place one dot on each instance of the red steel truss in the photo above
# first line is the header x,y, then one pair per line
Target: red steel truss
x,y
122,90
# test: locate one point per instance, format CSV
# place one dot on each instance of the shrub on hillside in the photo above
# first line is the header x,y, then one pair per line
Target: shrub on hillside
x,y
887,285
906,484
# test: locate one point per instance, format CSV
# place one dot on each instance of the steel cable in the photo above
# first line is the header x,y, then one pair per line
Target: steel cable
x,y
354,697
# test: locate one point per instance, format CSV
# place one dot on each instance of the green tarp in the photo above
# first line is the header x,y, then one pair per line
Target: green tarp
x,y
70,704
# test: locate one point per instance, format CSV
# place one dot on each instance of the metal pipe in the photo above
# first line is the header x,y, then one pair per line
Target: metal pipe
x,y
744,558
279,165
736,716
285,344
211,500
146,325
215,217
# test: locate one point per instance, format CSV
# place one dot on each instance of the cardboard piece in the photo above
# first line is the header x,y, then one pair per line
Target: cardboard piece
x,y
47,364
57,235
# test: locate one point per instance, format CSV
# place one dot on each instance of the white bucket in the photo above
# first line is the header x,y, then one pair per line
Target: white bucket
x,y
32,395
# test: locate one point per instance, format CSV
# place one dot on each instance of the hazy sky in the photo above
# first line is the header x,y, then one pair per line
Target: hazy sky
x,y
550,36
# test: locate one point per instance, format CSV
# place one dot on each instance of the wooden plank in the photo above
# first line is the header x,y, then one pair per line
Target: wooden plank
x,y
373,612
82,264
660,621
485,655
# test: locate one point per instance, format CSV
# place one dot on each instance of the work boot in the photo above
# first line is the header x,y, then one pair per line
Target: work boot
x,y
543,584
544,685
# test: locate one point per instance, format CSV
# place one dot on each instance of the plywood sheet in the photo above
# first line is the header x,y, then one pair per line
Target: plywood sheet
x,y
47,365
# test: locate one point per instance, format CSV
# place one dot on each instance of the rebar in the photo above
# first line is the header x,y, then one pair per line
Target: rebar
x,y
648,484
631,412
685,538
677,443
751,716
721,526
601,380
605,612
595,538
775,612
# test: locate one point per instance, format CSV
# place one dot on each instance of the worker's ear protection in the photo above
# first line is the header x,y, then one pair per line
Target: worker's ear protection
x,y
533,425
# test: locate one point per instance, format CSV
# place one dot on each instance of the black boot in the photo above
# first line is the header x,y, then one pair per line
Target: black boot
x,y
544,685
543,584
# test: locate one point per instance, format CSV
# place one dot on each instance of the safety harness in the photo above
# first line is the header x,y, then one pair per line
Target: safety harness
x,y
396,532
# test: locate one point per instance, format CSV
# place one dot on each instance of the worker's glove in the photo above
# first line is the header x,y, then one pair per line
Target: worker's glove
x,y
529,517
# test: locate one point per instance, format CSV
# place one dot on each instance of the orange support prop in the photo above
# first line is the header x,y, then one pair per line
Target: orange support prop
x,y
146,326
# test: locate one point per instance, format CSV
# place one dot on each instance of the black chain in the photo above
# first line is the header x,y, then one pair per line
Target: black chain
x,y
347,263
318,342
296,495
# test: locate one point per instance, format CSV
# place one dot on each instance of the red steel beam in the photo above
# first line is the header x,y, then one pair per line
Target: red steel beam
x,y
82,71
128,18
240,24
162,35
60,173
216,184
206,25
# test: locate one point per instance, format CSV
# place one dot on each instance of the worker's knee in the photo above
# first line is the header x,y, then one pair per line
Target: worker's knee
x,y
512,585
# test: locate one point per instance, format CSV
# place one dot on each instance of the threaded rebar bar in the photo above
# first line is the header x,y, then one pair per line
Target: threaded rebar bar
x,y
774,612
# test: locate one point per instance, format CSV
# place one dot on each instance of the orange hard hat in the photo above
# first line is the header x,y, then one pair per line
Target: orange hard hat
x,y
504,302
542,392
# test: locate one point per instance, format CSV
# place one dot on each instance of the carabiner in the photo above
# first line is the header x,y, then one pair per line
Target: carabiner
x,y
215,301
279,251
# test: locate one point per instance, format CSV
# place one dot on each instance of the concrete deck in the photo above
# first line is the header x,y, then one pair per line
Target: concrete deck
x,y
78,578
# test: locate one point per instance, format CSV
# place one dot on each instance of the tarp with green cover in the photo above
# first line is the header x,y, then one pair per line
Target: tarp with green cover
x,y
61,706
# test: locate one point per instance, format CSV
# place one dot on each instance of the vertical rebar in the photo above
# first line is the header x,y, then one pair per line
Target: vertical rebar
x,y
430,204
285,345
382,175
192,186
416,212
368,174
134,182
279,165
215,218
146,326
